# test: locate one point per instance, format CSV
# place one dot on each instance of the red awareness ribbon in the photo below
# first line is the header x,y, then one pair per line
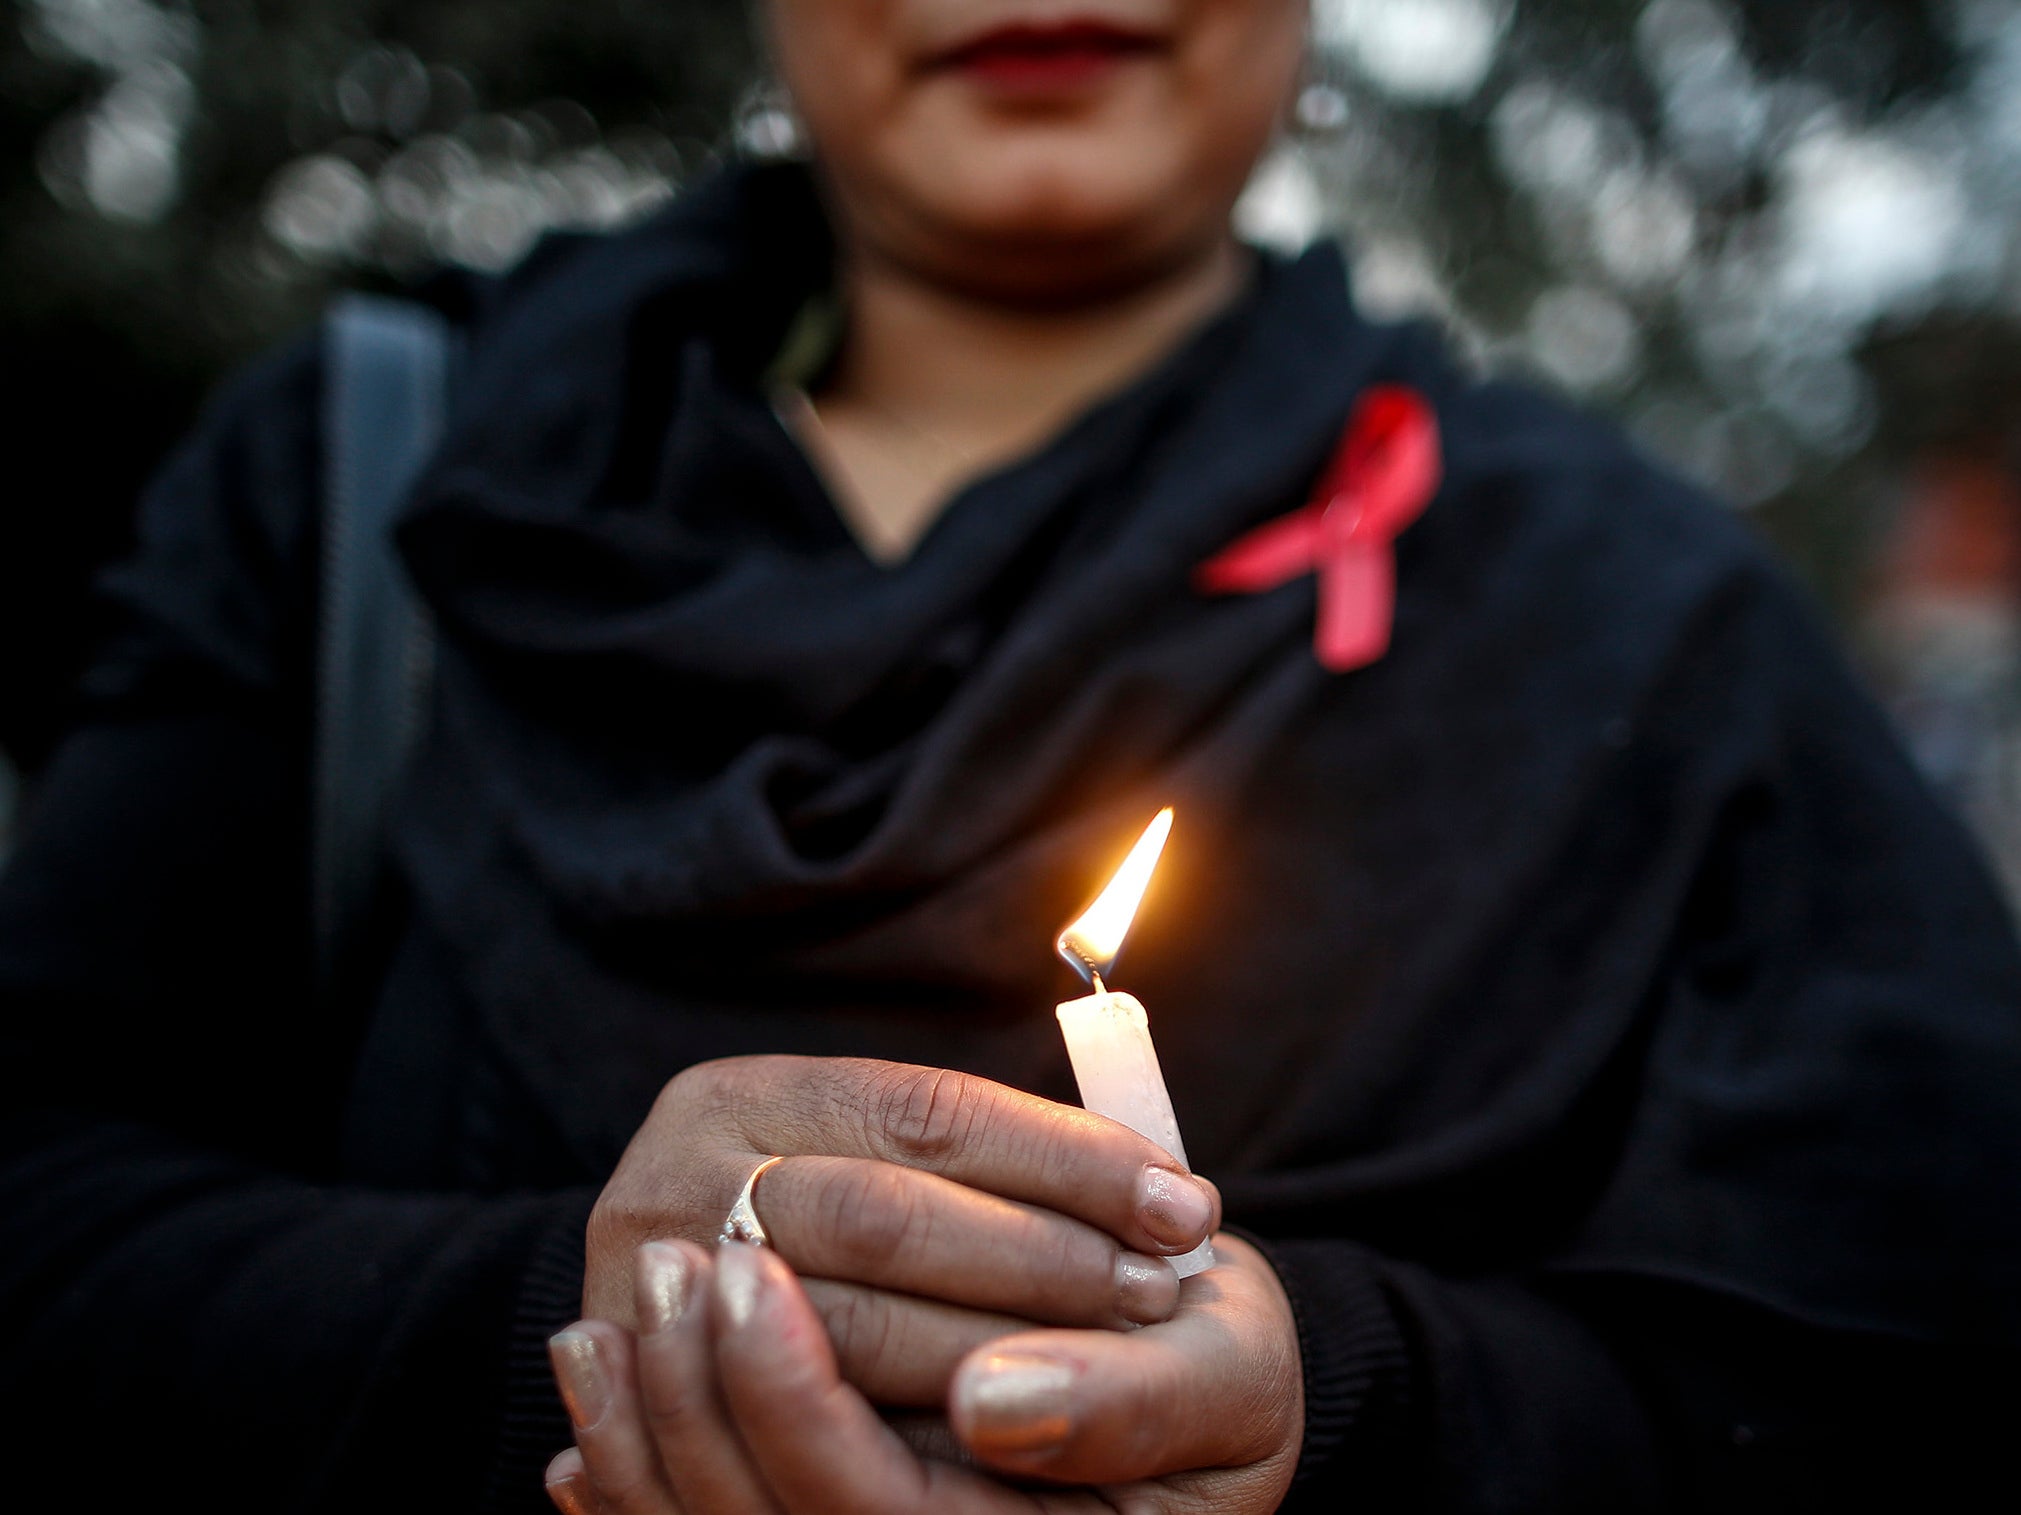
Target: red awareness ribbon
x,y
1382,475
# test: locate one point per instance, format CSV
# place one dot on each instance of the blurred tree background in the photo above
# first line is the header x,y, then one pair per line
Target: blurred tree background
x,y
1781,242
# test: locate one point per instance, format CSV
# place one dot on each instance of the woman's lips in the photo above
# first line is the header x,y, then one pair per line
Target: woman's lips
x,y
1047,59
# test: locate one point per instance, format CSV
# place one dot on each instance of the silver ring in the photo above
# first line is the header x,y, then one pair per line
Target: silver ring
x,y
742,1223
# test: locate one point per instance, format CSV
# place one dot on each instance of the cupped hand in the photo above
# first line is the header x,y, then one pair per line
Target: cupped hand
x,y
929,1210
731,1402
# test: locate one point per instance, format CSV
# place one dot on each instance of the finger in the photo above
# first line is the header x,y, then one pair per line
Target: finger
x,y
593,1364
822,1449
897,1350
703,1457
929,1437
917,1233
568,1486
978,1133
1217,1386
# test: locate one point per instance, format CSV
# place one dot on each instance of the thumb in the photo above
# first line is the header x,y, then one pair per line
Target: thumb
x,y
1218,1385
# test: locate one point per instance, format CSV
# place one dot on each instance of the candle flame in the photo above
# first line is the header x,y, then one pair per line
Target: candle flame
x,y
1090,945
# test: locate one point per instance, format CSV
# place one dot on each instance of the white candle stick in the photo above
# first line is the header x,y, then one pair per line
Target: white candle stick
x,y
1115,1064
1108,1035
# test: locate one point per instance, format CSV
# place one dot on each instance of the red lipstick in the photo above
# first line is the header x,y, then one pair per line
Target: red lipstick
x,y
1046,58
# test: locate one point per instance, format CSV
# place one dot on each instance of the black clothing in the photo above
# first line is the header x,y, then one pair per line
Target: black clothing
x,y
1610,1043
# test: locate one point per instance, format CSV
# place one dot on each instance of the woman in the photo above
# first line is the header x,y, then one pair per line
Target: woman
x,y
1599,1040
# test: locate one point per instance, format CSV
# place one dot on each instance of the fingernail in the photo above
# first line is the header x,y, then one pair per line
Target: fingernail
x,y
664,1278
1012,1402
579,1370
740,1279
1174,1208
564,1485
1147,1290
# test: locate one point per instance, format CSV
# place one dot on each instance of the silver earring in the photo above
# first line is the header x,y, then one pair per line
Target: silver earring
x,y
767,126
1321,106
1320,109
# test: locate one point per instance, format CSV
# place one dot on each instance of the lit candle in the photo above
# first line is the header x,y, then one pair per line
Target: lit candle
x,y
1108,1034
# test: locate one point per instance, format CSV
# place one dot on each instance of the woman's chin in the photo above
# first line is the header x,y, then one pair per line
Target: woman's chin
x,y
1049,223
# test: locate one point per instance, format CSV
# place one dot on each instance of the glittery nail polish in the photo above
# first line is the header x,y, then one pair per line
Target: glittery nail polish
x,y
1147,1290
1173,1207
582,1375
740,1279
664,1279
1015,1402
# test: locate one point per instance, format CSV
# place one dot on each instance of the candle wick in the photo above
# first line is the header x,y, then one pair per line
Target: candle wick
x,y
1100,987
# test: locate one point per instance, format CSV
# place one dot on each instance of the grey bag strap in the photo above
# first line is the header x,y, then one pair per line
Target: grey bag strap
x,y
386,382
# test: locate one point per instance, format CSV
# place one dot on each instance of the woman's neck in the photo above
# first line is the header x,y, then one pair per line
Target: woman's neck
x,y
933,388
